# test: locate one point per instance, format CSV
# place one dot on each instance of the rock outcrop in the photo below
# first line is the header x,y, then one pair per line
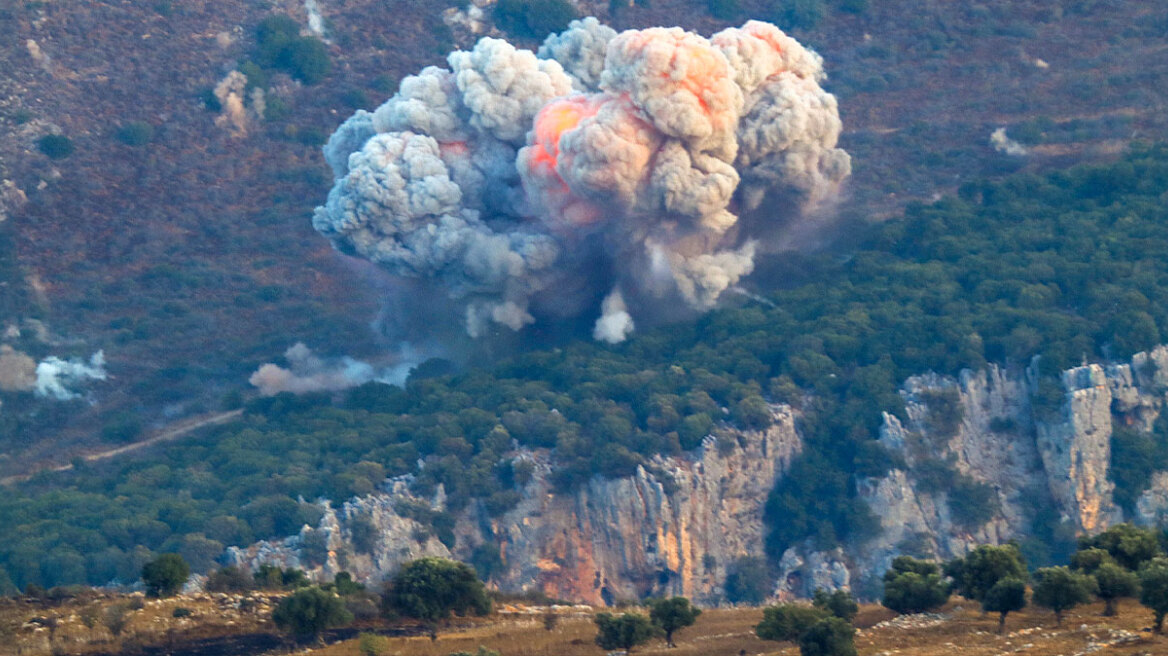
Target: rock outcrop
x,y
1035,451
674,527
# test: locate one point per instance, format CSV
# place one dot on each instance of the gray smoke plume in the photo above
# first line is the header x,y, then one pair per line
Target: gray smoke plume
x,y
58,379
308,372
606,174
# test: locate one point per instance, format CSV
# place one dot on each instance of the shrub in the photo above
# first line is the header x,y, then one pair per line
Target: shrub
x,y
623,632
788,622
136,133
181,612
164,576
56,146
724,9
914,586
371,644
831,636
533,19
310,611
840,603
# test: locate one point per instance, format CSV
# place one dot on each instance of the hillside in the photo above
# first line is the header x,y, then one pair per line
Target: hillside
x,y
1068,267
182,249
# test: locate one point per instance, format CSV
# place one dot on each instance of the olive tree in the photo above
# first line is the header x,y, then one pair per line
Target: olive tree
x,y
672,615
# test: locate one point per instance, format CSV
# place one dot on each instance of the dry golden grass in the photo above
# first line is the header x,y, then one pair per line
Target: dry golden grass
x,y
965,632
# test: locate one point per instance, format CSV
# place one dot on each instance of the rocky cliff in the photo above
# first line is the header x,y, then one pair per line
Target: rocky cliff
x,y
1034,455
671,528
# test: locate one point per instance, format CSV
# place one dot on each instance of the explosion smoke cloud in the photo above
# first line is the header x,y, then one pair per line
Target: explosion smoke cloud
x,y
57,378
607,166
308,372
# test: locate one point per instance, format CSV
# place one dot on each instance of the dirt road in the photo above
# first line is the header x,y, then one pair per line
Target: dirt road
x,y
172,432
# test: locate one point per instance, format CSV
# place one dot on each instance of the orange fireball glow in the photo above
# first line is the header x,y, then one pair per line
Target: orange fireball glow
x,y
556,118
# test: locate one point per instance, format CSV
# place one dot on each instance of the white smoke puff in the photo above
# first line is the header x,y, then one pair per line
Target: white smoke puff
x,y
348,139
681,82
615,323
57,378
757,51
229,92
701,279
17,370
504,87
1004,144
787,139
580,50
427,103
315,20
308,372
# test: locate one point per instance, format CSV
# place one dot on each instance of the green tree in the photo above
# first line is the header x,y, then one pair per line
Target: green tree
x,y
164,576
1130,545
430,589
345,585
787,622
1006,596
1061,589
840,603
1089,560
623,632
832,636
981,569
914,586
1115,583
1154,589
673,614
56,146
309,611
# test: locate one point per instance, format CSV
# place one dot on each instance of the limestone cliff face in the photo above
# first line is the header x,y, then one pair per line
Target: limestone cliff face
x,y
1037,451
1036,448
672,528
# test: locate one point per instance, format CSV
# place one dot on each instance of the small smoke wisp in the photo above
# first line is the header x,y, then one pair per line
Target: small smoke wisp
x,y
308,372
613,176
315,20
59,379
1002,143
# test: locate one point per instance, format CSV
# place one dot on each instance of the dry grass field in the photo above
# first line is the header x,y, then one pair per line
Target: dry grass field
x,y
962,629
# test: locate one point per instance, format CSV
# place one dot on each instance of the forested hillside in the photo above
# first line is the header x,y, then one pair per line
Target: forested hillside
x,y
145,221
1069,266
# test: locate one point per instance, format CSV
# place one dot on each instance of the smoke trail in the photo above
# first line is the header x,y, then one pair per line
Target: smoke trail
x,y
57,378
308,372
606,174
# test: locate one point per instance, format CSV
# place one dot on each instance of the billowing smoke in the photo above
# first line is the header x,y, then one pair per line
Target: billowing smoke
x,y
59,379
1002,143
620,176
308,372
